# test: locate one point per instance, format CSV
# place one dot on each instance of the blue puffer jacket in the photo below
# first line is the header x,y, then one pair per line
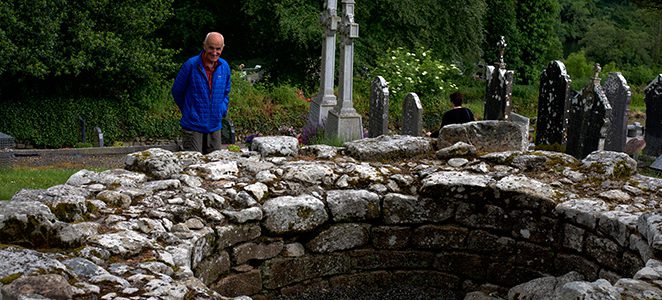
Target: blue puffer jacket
x,y
202,110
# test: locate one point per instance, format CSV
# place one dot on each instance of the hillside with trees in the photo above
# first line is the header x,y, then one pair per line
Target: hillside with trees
x,y
112,63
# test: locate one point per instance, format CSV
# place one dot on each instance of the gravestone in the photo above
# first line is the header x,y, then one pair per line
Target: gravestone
x,y
657,164
7,143
378,116
589,118
523,122
343,122
498,95
412,115
553,103
618,93
653,99
326,100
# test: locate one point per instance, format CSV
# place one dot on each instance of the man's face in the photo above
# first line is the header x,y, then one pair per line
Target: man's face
x,y
213,48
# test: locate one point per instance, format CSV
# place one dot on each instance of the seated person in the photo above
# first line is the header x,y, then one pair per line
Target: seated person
x,y
457,115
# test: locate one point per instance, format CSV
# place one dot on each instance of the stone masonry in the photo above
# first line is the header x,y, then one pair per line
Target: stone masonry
x,y
250,225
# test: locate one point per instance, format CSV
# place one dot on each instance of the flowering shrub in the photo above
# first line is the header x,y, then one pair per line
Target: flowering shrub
x,y
418,72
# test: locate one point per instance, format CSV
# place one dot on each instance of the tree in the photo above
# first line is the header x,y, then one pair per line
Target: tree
x,y
501,21
452,29
94,46
537,23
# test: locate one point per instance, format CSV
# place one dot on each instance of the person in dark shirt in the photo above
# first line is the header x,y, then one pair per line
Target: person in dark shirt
x,y
457,115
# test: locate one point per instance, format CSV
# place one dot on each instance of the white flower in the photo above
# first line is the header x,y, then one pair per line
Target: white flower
x,y
393,57
424,73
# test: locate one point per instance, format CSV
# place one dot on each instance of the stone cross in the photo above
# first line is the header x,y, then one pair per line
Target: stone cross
x,y
343,122
653,99
325,100
618,93
412,115
378,116
501,44
553,104
589,118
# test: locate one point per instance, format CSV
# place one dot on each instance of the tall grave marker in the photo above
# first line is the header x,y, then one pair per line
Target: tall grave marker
x,y
412,115
553,104
499,88
590,116
653,99
325,100
618,93
343,122
378,115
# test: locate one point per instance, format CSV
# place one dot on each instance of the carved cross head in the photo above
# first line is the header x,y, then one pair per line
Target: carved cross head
x,y
596,72
502,48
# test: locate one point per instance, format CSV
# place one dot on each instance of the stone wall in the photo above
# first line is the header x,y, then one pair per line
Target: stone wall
x,y
319,223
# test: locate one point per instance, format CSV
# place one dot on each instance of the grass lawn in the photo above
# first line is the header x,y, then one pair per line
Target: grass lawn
x,y
14,179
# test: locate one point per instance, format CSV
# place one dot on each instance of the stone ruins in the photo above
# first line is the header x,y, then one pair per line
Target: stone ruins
x,y
370,220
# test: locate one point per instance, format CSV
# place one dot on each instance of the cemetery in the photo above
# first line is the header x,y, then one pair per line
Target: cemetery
x,y
504,207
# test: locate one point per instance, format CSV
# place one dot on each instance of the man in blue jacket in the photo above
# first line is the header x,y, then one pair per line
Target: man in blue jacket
x,y
201,92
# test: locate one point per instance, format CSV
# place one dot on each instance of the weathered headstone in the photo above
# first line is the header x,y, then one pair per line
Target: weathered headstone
x,y
618,93
499,89
523,122
653,99
412,115
343,122
326,100
378,116
589,118
553,103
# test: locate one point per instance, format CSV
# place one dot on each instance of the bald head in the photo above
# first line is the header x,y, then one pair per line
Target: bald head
x,y
213,45
213,37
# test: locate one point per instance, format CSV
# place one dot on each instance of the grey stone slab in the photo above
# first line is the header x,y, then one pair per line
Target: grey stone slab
x,y
657,164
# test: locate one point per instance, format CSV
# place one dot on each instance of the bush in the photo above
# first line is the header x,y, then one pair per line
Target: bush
x,y
263,108
418,72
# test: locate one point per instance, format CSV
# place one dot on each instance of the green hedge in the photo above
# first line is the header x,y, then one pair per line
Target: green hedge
x,y
55,123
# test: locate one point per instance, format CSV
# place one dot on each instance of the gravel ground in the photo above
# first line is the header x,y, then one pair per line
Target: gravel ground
x,y
109,161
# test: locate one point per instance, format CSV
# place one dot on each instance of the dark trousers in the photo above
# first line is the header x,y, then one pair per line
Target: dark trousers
x,y
201,142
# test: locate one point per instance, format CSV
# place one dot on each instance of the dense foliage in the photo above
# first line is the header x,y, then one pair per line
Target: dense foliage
x,y
112,62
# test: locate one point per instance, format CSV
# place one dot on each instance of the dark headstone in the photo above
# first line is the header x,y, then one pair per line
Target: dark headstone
x,y
378,116
498,94
589,118
653,99
227,131
412,115
553,103
618,93
7,141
